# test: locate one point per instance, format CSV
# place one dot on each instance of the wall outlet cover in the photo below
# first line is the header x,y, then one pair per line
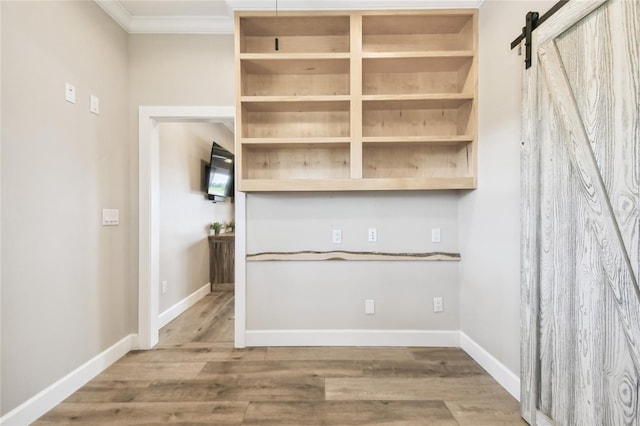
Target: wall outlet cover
x,y
438,304
435,235
369,306
336,236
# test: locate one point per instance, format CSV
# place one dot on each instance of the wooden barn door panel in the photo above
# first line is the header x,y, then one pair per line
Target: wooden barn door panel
x,y
580,221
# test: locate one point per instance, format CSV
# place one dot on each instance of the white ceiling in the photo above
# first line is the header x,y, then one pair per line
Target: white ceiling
x,y
216,16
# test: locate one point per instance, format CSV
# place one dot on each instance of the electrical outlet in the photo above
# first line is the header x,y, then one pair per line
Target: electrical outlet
x,y
435,235
369,306
164,287
373,235
336,236
438,304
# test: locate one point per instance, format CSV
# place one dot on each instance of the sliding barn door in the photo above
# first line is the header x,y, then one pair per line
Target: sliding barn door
x,y
580,222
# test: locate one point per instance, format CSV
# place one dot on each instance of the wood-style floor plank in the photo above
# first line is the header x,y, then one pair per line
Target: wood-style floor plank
x,y
440,355
235,388
198,413
152,371
365,413
427,389
418,369
283,369
337,353
100,391
195,354
195,376
221,328
486,412
197,319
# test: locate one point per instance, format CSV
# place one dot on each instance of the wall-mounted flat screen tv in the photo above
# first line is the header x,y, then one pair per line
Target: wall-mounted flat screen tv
x,y
219,176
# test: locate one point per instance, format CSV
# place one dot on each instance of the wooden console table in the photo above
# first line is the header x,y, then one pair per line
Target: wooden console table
x,y
222,249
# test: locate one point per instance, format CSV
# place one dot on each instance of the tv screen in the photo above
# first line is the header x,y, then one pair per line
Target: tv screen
x,y
219,174
219,181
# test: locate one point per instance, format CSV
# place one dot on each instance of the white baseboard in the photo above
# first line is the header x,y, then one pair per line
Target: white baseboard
x,y
497,370
352,338
172,313
41,403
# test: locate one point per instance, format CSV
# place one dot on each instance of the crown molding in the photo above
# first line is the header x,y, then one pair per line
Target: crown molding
x,y
117,11
166,24
352,4
224,24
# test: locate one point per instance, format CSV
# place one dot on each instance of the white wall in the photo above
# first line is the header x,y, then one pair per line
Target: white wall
x,y
65,277
490,215
286,295
185,214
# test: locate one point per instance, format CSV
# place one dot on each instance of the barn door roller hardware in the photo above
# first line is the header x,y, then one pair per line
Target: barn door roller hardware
x,y
533,21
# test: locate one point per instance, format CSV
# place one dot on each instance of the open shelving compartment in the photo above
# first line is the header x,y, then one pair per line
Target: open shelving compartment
x,y
415,31
296,33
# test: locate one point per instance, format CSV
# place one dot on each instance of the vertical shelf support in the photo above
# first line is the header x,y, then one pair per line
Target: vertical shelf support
x,y
356,96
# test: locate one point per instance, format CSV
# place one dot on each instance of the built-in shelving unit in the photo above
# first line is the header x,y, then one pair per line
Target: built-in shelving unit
x,y
356,100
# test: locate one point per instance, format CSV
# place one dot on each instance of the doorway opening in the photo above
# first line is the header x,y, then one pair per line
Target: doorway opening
x,y
149,217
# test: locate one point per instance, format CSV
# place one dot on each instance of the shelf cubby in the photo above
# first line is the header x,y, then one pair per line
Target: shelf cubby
x,y
414,32
295,76
416,160
425,75
296,34
427,116
304,161
285,118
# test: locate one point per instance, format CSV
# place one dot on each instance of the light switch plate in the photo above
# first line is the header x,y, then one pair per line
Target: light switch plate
x,y
110,217
70,93
435,235
94,105
336,236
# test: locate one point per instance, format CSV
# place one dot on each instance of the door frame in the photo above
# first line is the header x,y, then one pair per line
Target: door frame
x,y
149,118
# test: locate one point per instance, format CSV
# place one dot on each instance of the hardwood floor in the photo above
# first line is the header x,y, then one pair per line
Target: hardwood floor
x,y
195,376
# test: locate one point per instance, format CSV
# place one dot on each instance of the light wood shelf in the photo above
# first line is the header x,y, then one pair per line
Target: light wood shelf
x,y
420,54
416,101
432,140
376,100
347,184
286,142
296,103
